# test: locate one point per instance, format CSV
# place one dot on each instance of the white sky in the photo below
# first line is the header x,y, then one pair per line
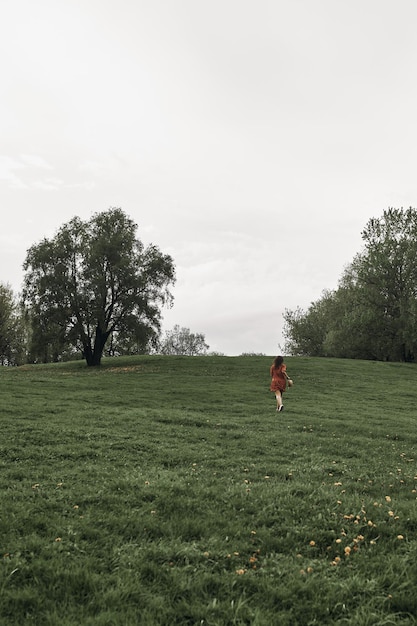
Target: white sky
x,y
250,139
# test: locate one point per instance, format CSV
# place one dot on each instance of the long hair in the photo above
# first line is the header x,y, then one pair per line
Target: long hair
x,y
279,360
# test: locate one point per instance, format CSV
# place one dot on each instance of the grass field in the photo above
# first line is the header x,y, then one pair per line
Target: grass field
x,y
167,490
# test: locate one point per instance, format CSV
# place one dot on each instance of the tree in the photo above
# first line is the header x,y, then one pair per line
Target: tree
x,y
373,313
93,279
305,331
386,273
12,329
182,341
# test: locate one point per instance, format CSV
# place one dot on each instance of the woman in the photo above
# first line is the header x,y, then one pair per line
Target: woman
x,y
279,380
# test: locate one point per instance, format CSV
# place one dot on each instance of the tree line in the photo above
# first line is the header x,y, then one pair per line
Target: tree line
x,y
373,312
91,290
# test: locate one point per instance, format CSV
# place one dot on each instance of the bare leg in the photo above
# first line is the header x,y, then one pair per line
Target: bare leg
x,y
279,400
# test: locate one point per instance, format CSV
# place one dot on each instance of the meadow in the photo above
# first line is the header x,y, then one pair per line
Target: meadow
x,y
168,490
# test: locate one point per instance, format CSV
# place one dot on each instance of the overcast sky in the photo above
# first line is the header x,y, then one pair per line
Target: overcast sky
x,y
250,139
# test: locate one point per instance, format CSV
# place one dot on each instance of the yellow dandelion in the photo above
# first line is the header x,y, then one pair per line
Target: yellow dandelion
x,y
58,539
347,550
400,537
312,543
387,499
206,554
309,570
391,513
241,571
75,506
338,541
253,559
337,559
253,532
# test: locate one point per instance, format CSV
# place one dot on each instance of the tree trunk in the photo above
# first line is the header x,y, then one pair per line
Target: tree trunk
x,y
93,356
88,354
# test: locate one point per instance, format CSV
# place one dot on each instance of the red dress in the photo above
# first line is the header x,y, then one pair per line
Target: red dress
x,y
279,380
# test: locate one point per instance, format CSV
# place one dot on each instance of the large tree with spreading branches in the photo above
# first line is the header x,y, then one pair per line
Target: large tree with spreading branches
x,y
95,278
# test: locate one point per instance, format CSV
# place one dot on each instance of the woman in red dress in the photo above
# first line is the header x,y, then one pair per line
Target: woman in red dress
x,y
279,380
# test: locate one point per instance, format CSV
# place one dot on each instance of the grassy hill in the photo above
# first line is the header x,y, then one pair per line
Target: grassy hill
x,y
168,490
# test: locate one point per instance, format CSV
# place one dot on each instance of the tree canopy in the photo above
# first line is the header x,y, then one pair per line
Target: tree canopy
x,y
12,328
92,280
373,312
182,341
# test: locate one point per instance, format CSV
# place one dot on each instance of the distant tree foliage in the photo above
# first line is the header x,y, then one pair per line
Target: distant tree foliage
x,y
12,329
94,279
373,312
182,341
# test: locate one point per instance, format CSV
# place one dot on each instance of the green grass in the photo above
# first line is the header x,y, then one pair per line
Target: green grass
x,y
167,490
